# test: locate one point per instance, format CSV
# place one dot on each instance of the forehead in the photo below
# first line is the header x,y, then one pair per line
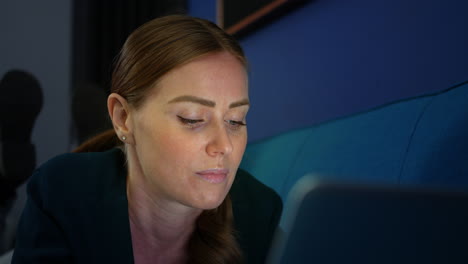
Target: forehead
x,y
218,76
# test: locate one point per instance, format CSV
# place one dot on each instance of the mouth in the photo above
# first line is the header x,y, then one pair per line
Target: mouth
x,y
213,175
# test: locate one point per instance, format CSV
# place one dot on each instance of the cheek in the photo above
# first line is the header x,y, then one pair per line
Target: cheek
x,y
155,144
239,144
165,159
175,148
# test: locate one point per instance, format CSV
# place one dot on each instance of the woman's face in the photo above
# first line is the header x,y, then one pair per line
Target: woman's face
x,y
190,133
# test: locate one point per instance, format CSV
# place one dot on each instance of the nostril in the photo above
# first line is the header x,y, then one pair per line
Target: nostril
x,y
220,147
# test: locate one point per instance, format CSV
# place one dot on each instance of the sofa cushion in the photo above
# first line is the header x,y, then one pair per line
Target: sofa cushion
x,y
270,160
414,141
438,154
366,148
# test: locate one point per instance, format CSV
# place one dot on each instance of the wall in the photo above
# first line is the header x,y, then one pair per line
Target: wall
x,y
327,59
35,36
337,57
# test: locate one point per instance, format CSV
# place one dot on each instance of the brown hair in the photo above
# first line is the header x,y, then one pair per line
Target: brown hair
x,y
149,53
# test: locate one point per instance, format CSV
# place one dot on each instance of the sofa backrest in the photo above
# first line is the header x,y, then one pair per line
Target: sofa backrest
x,y
421,141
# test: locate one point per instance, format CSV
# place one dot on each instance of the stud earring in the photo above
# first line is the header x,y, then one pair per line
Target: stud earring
x,y
124,138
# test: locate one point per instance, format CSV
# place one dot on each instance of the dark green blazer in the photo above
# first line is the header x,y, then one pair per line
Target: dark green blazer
x,y
77,212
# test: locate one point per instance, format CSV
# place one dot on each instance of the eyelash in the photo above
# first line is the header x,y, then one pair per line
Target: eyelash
x,y
235,124
193,123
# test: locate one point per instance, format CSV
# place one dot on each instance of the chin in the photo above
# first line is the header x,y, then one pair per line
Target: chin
x,y
210,203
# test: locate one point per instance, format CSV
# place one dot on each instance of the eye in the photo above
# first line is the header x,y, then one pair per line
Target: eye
x,y
190,122
233,124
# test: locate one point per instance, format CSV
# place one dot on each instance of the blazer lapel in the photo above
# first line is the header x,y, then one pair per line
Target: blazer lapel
x,y
115,245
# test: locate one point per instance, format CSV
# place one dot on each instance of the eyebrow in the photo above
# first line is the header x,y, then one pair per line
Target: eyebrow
x,y
240,103
205,102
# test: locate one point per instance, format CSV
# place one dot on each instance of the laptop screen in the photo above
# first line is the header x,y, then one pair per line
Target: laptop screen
x,y
339,223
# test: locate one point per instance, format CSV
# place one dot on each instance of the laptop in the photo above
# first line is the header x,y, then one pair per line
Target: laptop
x,y
343,223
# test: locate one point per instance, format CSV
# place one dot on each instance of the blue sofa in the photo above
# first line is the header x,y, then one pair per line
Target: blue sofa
x,y
420,141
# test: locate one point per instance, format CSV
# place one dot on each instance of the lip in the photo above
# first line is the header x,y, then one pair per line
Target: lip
x,y
213,175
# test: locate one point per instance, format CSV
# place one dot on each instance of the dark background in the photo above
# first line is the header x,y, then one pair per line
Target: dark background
x,y
326,59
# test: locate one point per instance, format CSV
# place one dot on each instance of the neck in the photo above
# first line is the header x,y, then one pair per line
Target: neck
x,y
160,229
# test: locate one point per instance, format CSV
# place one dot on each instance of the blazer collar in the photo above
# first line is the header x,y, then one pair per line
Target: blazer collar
x,y
113,219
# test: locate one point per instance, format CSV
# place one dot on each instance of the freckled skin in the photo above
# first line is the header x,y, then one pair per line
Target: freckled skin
x,y
167,153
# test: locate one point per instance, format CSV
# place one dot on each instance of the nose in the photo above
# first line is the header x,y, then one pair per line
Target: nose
x,y
220,142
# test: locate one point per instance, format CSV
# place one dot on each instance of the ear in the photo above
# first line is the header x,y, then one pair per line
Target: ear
x,y
119,112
